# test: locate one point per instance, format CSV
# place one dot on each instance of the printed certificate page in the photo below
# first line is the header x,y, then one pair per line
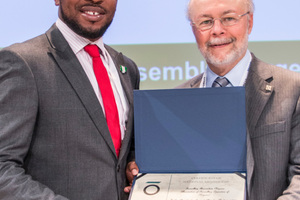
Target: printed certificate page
x,y
199,186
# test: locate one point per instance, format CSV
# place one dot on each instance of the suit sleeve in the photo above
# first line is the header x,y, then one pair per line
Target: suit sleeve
x,y
19,109
293,191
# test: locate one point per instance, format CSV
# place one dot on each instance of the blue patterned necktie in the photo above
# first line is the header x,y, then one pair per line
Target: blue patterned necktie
x,y
220,82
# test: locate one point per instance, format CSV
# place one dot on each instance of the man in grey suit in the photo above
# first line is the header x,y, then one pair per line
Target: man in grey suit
x,y
221,28
55,142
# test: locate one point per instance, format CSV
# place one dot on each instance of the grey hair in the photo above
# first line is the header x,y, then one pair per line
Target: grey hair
x,y
249,4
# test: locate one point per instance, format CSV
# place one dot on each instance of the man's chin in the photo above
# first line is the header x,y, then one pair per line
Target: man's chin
x,y
89,32
92,35
221,59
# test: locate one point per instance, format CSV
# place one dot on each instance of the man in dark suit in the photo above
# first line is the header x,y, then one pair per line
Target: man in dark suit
x,y
56,137
221,28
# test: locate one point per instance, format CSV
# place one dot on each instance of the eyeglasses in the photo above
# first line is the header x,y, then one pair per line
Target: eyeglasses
x,y
230,19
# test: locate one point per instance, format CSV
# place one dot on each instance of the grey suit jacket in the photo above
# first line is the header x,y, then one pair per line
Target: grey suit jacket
x,y
54,140
273,123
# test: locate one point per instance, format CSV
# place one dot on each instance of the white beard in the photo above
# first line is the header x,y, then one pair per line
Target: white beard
x,y
231,57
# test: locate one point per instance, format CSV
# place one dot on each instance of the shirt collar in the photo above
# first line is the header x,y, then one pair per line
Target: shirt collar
x,y
235,75
77,42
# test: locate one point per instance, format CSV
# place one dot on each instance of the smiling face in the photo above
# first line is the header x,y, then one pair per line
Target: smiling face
x,y
87,18
222,46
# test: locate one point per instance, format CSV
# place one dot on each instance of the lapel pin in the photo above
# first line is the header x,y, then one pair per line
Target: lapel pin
x,y
123,69
268,88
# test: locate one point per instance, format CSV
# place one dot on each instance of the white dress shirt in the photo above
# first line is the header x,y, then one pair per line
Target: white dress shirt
x,y
77,43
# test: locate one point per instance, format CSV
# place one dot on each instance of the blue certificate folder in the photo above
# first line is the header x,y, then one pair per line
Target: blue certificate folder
x,y
201,130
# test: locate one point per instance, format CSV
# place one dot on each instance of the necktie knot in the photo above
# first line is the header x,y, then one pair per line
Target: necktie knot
x,y
220,82
92,50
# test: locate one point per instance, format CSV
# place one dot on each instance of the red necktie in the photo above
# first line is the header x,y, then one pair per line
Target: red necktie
x,y
109,103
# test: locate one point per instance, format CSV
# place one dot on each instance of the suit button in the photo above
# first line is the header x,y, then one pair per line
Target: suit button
x,y
118,168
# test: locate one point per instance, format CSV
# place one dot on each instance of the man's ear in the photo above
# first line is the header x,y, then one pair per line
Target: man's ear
x,y
250,24
57,2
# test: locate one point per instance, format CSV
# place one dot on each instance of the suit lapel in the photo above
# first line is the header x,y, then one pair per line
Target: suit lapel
x,y
195,82
259,89
125,80
72,69
124,77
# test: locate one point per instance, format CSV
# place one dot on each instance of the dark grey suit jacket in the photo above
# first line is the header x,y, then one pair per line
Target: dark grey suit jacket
x,y
54,140
273,123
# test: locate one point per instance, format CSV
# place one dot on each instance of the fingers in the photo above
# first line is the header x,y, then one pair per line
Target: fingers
x,y
131,171
133,168
127,189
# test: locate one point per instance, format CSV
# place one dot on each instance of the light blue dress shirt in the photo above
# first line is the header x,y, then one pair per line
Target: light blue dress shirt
x,y
237,76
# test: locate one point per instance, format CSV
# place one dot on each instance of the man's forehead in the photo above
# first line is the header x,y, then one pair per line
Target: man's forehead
x,y
202,4
218,7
